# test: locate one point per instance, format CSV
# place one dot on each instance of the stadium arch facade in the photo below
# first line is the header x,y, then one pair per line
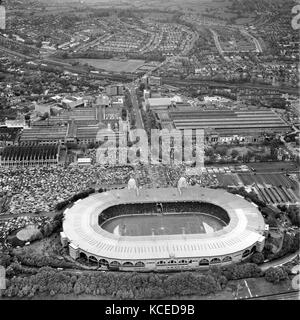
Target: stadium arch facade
x,y
242,235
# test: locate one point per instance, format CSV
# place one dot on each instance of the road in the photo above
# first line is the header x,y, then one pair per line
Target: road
x,y
217,42
216,37
279,262
139,120
244,32
256,42
16,54
49,214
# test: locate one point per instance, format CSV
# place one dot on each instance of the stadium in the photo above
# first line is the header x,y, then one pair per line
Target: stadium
x,y
163,229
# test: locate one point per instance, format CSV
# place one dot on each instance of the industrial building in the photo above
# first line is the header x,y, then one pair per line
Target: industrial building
x,y
29,155
225,126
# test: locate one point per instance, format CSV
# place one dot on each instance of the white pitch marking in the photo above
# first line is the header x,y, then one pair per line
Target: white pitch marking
x,y
248,288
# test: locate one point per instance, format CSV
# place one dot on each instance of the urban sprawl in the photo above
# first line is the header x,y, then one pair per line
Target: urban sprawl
x,y
80,78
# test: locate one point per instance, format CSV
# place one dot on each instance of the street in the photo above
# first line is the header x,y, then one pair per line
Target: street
x,y
135,104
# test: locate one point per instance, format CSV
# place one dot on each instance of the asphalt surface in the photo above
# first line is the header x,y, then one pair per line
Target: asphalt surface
x,y
139,121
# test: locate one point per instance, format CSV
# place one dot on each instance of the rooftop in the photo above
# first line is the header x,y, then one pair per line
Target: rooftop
x,y
244,229
153,102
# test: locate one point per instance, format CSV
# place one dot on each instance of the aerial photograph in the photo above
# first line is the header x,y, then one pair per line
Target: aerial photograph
x,y
149,151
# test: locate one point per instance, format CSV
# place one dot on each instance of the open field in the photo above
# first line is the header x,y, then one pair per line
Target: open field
x,y
245,289
145,225
251,288
130,65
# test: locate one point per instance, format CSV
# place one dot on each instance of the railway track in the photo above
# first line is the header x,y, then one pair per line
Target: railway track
x,y
212,83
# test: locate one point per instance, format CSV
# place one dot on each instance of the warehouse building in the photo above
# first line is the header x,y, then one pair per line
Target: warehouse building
x,y
227,126
29,155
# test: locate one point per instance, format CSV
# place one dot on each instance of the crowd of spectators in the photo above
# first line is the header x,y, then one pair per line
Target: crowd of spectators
x,y
168,176
203,180
28,190
39,189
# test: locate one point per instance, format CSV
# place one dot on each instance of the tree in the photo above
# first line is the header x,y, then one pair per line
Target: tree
x,y
45,116
222,151
257,258
241,271
275,275
294,215
5,259
124,114
209,152
234,153
142,87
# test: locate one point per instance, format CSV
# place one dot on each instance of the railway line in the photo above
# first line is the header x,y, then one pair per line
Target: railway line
x,y
131,77
177,82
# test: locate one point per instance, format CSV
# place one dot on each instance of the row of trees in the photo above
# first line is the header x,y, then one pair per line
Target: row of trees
x,y
30,259
81,195
294,215
123,285
241,271
291,244
252,196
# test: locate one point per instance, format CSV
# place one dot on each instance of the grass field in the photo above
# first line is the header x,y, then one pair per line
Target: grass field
x,y
113,65
26,233
166,224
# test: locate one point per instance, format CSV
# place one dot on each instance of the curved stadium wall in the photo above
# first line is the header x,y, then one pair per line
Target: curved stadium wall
x,y
242,235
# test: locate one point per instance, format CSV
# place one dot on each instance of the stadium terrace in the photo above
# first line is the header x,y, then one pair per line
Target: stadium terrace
x,y
84,231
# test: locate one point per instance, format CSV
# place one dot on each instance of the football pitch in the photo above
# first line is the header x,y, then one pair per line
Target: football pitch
x,y
129,65
163,224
